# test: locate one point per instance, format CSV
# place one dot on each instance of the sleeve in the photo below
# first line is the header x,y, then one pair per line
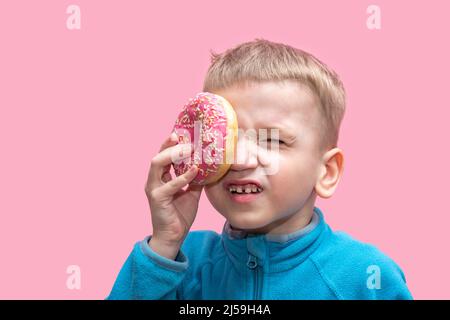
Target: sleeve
x,y
393,283
147,275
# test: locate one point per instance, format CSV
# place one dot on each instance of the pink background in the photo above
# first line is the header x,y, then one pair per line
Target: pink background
x,y
82,112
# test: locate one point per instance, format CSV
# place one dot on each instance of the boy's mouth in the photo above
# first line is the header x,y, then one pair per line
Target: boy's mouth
x,y
243,189
244,193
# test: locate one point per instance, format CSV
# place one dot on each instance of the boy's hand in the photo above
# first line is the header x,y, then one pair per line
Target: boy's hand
x,y
173,209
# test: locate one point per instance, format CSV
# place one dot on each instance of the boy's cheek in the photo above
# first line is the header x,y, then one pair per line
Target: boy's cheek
x,y
214,194
270,161
209,191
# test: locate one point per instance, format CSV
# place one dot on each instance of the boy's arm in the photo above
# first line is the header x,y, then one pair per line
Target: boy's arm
x,y
148,275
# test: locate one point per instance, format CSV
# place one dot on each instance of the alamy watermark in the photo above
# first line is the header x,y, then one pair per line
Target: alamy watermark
x,y
73,21
251,146
373,21
374,279
73,281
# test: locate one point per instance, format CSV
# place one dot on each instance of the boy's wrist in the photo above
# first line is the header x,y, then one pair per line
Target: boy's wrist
x,y
167,250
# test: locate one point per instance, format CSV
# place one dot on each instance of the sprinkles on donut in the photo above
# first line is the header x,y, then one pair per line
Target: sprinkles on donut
x,y
211,121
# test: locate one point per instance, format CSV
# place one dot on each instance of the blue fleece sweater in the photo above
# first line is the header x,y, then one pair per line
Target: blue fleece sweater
x,y
312,263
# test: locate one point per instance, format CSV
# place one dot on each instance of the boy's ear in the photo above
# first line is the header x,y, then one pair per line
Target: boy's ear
x,y
330,172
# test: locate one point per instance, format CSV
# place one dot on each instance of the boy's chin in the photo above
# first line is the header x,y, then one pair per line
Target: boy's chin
x,y
248,225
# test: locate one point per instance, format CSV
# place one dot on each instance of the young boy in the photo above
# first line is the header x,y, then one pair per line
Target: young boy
x,y
275,243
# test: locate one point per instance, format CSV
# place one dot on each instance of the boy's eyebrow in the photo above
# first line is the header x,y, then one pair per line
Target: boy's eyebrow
x,y
283,131
280,126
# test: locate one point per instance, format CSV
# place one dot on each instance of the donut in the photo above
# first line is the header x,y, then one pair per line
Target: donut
x,y
210,123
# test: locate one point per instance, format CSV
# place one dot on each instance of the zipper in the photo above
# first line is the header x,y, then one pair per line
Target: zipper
x,y
252,263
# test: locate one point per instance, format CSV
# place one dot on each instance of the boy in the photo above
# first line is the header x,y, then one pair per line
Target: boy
x,y
275,243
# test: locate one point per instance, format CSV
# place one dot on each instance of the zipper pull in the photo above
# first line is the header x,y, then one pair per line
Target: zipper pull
x,y
252,262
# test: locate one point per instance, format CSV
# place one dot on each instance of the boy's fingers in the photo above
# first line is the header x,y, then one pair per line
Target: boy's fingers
x,y
170,141
173,186
166,177
162,161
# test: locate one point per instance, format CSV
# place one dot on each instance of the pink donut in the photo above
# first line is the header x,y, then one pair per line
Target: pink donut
x,y
210,123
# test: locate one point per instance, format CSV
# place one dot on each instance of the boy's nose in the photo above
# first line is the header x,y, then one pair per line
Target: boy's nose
x,y
246,155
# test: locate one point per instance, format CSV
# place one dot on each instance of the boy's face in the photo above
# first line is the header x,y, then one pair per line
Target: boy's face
x,y
287,200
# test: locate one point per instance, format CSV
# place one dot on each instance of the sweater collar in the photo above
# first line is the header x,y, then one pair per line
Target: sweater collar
x,y
274,253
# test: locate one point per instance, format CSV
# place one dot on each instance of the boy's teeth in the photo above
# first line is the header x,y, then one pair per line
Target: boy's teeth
x,y
249,188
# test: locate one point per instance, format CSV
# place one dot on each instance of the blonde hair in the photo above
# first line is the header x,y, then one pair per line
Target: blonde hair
x,y
263,60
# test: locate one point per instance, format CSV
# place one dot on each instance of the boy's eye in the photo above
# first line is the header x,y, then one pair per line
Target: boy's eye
x,y
279,141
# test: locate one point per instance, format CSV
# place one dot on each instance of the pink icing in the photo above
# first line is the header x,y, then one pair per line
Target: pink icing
x,y
208,109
